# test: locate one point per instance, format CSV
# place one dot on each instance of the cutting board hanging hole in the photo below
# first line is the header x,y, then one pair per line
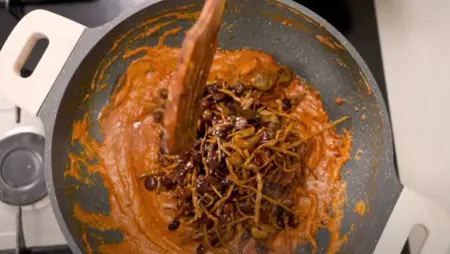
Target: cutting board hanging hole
x,y
416,239
27,69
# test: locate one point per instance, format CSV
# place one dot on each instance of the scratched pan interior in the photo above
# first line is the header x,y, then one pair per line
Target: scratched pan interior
x,y
334,68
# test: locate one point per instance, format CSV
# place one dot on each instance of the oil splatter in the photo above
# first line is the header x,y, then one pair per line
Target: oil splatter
x,y
360,208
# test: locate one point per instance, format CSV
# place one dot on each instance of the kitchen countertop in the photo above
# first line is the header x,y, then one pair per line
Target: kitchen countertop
x,y
414,38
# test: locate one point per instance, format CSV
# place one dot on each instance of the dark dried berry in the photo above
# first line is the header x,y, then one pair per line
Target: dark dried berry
x,y
220,134
224,184
188,206
218,97
210,89
286,104
203,185
221,131
189,165
224,218
166,181
201,249
180,173
246,208
258,159
181,194
240,123
174,225
197,157
239,88
211,157
163,93
219,172
151,183
158,116
228,208
232,108
204,220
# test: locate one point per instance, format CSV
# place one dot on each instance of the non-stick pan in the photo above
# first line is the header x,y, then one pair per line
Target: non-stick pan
x,y
297,37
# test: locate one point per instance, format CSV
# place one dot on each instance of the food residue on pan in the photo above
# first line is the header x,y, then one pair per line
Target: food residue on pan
x,y
341,62
325,41
330,43
364,82
358,154
339,101
285,126
338,45
287,21
227,27
360,208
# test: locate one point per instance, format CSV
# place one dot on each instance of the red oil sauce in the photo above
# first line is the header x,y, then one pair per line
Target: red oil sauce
x,y
131,146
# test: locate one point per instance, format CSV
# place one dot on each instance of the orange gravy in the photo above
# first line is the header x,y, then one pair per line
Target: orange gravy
x,y
131,145
360,208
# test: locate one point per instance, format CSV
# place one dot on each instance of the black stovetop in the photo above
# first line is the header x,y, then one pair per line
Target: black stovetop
x,y
356,19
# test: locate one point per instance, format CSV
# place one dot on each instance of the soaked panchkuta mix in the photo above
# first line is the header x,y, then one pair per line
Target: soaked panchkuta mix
x,y
263,176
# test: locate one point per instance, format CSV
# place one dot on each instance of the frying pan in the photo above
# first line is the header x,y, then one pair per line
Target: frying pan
x,y
294,35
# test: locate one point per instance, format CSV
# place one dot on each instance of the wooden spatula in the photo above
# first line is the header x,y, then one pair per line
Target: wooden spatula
x,y
189,80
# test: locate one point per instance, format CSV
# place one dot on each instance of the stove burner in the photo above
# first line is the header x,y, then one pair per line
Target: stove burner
x,y
22,180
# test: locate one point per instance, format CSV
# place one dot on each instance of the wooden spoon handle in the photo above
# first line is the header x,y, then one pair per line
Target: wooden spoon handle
x,y
189,80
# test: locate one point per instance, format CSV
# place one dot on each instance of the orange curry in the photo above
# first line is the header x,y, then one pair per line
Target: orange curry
x,y
131,148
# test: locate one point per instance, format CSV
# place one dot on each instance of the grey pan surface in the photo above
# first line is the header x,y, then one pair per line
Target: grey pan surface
x,y
370,175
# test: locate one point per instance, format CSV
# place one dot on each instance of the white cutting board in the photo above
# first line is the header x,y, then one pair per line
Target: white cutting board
x,y
415,44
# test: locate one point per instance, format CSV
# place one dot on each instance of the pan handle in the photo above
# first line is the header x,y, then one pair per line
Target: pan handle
x,y
63,34
413,209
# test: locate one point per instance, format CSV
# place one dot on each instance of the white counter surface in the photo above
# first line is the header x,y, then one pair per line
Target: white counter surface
x,y
415,44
